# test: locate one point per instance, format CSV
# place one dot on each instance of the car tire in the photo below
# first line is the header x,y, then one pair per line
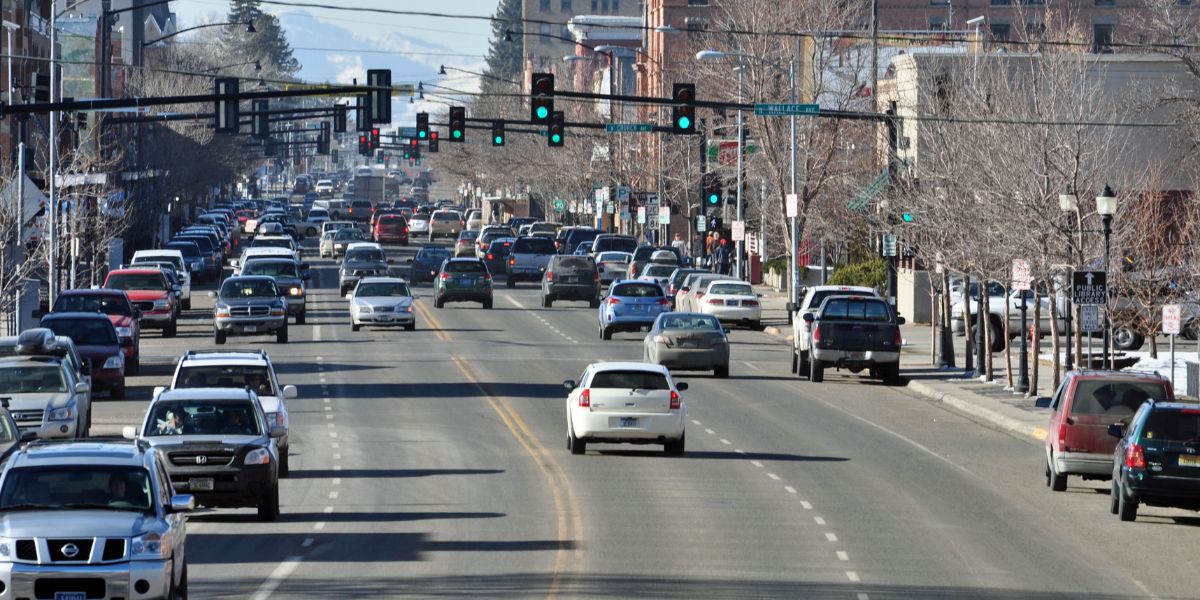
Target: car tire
x,y
509,282
795,361
675,447
219,337
576,445
816,371
1058,481
354,326
181,592
802,367
721,372
438,303
1127,339
1114,503
281,335
890,374
605,333
135,365
170,330
410,327
187,304
268,506
594,303
487,304
757,326
118,392
300,317
284,462
1126,507
547,302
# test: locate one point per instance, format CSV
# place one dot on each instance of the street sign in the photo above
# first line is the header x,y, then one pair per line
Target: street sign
x,y
559,205
889,245
1089,318
701,224
612,208
785,110
622,194
751,242
628,128
407,132
1022,279
1089,287
664,214
1172,315
602,194
739,230
641,214
793,206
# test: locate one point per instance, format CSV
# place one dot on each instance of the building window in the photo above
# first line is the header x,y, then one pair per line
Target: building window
x,y
616,6
565,32
1035,30
1102,37
603,5
544,5
595,5
1001,2
566,5
939,2
937,23
1001,32
544,29
697,2
1033,2
1106,2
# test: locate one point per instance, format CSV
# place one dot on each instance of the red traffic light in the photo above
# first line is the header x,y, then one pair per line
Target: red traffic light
x,y
412,142
433,135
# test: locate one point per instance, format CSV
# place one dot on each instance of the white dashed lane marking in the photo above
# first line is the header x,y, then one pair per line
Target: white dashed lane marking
x,y
842,555
710,432
790,489
852,576
831,537
725,441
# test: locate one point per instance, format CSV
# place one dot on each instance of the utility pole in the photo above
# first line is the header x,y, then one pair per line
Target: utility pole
x,y
741,215
52,221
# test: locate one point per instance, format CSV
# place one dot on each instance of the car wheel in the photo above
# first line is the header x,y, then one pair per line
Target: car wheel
x,y
281,335
721,372
187,304
675,447
219,337
268,506
1127,339
118,393
802,366
284,466
181,592
509,282
1126,507
547,302
438,303
169,330
1114,503
816,372
410,327
757,326
890,374
576,445
135,365
487,304
300,318
795,360
605,333
354,326
594,303
1058,481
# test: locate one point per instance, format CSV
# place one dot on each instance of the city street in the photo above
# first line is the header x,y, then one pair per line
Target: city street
x,y
434,463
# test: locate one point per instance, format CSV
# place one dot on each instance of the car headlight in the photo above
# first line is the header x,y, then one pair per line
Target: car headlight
x,y
65,413
113,362
259,456
405,308
295,291
659,339
276,418
366,308
222,311
7,549
125,332
150,546
161,303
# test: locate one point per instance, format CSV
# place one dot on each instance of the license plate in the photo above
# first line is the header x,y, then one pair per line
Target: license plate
x,y
628,422
1189,461
464,282
70,595
731,303
856,355
251,328
383,319
200,484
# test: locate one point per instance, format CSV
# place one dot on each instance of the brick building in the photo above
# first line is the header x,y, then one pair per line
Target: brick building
x,y
544,44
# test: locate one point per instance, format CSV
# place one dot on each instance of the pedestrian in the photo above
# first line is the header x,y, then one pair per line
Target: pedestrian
x,y
722,256
680,245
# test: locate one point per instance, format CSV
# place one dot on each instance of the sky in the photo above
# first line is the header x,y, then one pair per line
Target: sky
x,y
338,45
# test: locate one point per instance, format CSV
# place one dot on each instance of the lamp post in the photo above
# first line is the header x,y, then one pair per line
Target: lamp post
x,y
1069,204
1106,207
249,29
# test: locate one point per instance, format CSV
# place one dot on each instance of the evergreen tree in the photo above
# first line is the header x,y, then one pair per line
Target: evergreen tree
x,y
504,60
268,44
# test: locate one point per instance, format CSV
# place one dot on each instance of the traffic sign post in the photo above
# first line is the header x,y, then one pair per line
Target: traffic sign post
x,y
1089,323
1171,317
1022,282
1089,288
793,206
785,110
739,230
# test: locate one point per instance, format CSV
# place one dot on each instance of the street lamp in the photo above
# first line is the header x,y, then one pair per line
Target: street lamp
x,y
1068,203
1106,207
249,29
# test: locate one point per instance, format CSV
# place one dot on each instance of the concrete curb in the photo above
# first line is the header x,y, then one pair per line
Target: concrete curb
x,y
974,410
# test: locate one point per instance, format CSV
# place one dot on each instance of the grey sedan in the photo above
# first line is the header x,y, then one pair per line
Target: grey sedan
x,y
382,301
689,342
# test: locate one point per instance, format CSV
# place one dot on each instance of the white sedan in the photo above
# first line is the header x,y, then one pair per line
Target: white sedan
x,y
382,302
732,302
626,403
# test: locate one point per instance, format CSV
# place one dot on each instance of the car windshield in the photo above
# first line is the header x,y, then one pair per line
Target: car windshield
x,y
203,417
252,288
271,268
109,305
637,290
85,332
534,245
690,322
738,289
621,244
819,297
271,243
136,281
1173,425
255,377
188,250
575,263
500,247
77,487
153,258
384,288
629,380
365,255
620,257
349,234
468,234
433,256
33,379
1114,398
463,267
855,309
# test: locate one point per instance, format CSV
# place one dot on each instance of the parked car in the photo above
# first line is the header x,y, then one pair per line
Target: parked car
x,y
687,341
383,302
97,341
149,291
463,279
571,278
426,265
1081,410
527,260
1157,460
854,333
626,402
249,306
630,306
115,305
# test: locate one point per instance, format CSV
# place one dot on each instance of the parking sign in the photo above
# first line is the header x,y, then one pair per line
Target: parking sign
x,y
1171,317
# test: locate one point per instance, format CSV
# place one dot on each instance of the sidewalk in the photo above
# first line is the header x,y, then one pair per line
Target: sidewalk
x,y
987,402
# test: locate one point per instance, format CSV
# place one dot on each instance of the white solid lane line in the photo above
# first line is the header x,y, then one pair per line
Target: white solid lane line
x,y
281,572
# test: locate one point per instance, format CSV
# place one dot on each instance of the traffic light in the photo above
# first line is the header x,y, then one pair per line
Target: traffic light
x,y
906,217
364,144
323,139
41,87
497,133
374,138
381,97
227,109
423,126
433,141
260,124
541,104
362,112
458,123
339,118
558,127
683,114
711,184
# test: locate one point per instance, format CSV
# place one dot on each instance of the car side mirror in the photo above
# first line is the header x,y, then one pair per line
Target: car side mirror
x,y
809,318
182,503
1117,430
28,436
1042,402
158,390
681,386
899,320
726,330
569,384
129,432
290,392
278,431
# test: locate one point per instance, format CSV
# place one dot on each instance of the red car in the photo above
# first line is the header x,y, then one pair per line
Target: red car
x,y
114,304
391,228
150,292
1086,403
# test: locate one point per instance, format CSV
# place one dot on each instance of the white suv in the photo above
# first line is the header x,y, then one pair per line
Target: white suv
x,y
813,298
445,223
239,370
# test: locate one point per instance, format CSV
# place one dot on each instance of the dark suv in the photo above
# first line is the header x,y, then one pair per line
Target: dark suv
x,y
1157,461
571,278
463,279
249,305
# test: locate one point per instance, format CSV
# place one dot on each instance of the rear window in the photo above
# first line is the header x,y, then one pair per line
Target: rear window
x,y
270,268
446,216
617,244
190,250
1172,425
433,255
575,263
629,380
365,255
855,309
1114,398
109,305
136,281
731,288
534,246
576,236
468,234
819,297
691,322
661,271
85,332
271,243
463,267
637,290
620,257
255,377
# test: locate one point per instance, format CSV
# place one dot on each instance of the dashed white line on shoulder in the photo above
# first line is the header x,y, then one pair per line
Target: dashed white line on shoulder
x,y
852,576
281,572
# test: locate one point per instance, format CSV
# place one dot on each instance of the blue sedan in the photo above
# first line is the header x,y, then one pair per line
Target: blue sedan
x,y
630,306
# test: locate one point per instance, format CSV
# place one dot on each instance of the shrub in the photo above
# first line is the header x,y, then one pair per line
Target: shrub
x,y
871,272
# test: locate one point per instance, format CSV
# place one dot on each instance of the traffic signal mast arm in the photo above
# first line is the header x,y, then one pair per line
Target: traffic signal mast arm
x,y
38,108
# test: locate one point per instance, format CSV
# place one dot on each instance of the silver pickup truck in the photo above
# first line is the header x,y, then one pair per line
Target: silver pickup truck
x,y
528,259
854,333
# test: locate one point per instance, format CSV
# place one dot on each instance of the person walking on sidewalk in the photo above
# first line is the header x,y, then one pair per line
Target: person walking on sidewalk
x,y
680,245
722,257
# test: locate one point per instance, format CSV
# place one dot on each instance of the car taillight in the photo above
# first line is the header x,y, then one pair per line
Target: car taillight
x,y
487,276
490,257
549,275
612,300
1062,436
1135,457
405,230
585,399
674,400
816,334
899,338
512,262
715,302
445,276
749,302
664,302
596,276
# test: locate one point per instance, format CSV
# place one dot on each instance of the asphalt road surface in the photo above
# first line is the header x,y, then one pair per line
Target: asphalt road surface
x,y
434,464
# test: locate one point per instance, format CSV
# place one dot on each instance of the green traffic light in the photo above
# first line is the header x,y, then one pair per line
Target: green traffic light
x,y
556,138
713,199
499,139
421,134
542,112
456,133
908,218
685,123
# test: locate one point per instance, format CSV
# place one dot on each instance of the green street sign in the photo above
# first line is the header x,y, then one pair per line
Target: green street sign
x,y
559,205
628,128
786,110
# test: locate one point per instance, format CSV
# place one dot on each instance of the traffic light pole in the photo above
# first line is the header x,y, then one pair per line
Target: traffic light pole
x,y
739,270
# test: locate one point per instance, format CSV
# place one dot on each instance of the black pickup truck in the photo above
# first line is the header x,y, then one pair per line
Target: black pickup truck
x,y
855,333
